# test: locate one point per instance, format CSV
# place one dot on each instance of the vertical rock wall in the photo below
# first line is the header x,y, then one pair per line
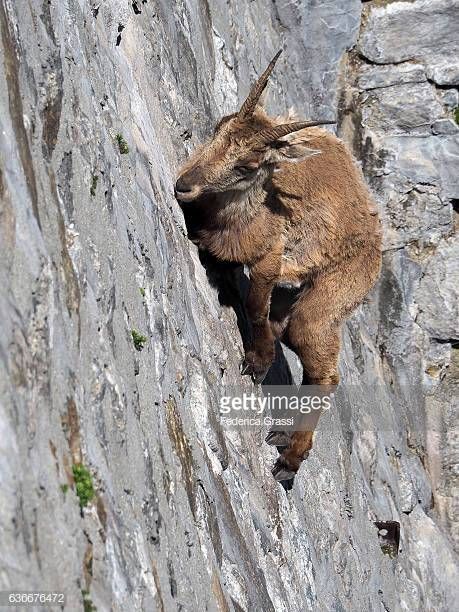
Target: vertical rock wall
x,y
406,72
186,515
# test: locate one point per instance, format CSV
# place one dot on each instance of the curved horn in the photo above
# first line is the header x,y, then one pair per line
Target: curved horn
x,y
249,105
278,131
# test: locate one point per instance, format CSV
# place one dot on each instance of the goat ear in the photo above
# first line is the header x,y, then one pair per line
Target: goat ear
x,y
291,148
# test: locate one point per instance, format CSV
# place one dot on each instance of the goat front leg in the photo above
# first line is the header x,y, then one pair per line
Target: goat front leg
x,y
261,351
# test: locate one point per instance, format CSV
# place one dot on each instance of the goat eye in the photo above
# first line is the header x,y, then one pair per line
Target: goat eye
x,y
244,170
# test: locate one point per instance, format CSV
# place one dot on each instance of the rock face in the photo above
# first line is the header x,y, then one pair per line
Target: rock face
x,y
99,102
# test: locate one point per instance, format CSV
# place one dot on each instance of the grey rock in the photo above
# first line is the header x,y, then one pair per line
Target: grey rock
x,y
444,73
417,216
187,515
402,31
443,410
372,77
408,108
423,161
449,97
438,293
445,126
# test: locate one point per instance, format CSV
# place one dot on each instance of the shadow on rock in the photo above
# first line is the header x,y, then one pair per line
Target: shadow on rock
x,y
232,287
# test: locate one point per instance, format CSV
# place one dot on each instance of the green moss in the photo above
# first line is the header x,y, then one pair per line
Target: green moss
x,y
456,115
389,549
88,606
122,144
138,339
83,484
94,180
142,291
64,488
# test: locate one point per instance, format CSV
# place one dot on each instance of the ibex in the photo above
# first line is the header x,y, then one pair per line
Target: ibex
x,y
287,200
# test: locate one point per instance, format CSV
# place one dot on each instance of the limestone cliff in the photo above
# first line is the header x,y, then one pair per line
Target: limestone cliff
x,y
114,346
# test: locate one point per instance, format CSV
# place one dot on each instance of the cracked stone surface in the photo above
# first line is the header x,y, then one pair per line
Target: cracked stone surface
x,y
401,31
186,514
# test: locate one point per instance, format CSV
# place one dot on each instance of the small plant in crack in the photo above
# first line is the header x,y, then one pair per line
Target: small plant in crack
x,y
142,291
456,114
122,144
138,339
83,484
88,606
93,188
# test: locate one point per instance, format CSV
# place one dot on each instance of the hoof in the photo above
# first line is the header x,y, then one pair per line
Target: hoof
x,y
282,472
244,367
278,438
258,377
257,374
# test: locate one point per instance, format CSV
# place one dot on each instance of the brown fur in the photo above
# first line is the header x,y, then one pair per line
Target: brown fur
x,y
303,216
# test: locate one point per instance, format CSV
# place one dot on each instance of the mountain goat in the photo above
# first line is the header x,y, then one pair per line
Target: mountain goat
x,y
287,200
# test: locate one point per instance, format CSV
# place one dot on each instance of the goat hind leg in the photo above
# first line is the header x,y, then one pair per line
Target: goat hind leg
x,y
317,344
327,374
315,327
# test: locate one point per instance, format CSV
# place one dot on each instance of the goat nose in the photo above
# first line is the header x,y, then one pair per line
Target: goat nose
x,y
181,186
